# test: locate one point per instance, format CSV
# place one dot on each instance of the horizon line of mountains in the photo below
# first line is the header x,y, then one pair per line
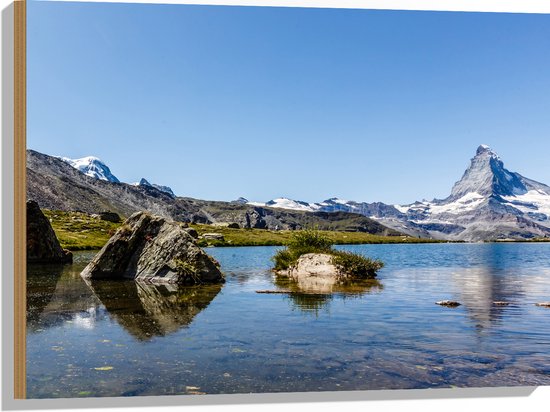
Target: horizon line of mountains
x,y
488,203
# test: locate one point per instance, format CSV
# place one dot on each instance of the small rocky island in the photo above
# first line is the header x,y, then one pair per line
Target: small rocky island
x,y
152,249
310,260
42,243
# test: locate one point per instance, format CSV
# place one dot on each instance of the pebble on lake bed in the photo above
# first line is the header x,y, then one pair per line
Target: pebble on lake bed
x,y
543,304
449,303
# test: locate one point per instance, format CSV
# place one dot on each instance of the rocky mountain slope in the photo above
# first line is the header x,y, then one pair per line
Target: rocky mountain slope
x,y
57,185
165,189
488,203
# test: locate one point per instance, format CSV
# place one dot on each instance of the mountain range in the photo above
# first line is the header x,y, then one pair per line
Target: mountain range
x,y
489,202
57,185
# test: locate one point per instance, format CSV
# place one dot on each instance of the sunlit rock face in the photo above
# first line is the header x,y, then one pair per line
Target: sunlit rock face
x,y
315,273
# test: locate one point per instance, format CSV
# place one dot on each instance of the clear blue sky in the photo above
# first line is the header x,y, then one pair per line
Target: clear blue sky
x,y
222,102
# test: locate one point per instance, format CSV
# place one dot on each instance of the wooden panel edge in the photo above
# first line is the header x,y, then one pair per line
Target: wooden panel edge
x,y
20,271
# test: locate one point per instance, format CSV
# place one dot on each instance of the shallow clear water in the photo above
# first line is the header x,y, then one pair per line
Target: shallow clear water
x,y
126,339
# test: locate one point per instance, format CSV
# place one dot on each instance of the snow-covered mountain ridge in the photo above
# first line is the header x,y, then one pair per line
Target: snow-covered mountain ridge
x,y
489,202
94,167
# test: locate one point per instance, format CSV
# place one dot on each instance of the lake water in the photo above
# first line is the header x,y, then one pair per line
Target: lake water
x,y
126,339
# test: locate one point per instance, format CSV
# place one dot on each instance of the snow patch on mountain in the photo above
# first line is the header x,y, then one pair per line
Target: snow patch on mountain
x,y
402,209
285,203
534,203
468,202
93,167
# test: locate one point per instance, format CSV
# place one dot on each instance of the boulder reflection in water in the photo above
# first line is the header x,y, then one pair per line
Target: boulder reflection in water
x,y
146,310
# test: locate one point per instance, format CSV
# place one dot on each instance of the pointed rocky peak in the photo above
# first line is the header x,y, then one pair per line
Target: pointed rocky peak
x,y
241,200
164,189
487,176
484,149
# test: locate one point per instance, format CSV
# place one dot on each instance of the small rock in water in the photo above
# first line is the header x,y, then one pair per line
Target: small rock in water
x,y
192,388
449,303
501,303
543,304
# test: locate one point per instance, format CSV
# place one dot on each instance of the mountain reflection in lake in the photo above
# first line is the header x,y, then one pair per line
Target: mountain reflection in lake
x,y
126,339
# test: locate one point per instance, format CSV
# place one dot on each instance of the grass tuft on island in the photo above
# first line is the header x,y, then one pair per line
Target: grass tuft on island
x,y
81,231
314,241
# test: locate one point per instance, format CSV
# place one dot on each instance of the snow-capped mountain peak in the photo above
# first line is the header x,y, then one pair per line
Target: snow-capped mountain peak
x,y
485,149
93,167
487,176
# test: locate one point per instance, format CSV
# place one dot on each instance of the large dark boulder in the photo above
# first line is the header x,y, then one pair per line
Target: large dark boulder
x,y
42,243
110,216
152,249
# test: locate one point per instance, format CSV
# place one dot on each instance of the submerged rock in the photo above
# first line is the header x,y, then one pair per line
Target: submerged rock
x,y
42,243
153,249
448,303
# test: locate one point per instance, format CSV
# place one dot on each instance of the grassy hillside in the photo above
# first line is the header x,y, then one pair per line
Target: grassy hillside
x,y
79,231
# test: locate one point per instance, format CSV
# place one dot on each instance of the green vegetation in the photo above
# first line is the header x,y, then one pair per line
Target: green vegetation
x,y
355,265
302,242
80,231
264,237
187,271
314,241
533,240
